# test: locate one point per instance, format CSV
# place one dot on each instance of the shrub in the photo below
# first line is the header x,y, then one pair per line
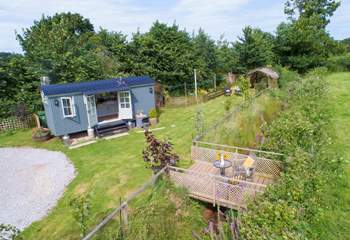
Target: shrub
x,y
286,76
9,232
228,104
317,72
81,206
153,113
158,153
339,63
302,132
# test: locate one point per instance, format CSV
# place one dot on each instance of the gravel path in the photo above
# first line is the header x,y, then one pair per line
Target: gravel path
x,y
31,182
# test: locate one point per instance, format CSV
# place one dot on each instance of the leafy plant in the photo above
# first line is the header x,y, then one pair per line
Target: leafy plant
x,y
199,122
158,153
244,85
9,232
228,104
41,132
153,113
81,206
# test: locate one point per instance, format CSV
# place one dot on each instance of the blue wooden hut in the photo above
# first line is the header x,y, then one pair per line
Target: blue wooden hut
x,y
96,105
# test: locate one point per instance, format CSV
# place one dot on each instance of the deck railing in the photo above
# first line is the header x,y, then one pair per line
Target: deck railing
x,y
228,192
264,166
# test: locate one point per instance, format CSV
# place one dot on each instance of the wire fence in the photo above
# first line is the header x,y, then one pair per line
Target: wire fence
x,y
229,115
115,224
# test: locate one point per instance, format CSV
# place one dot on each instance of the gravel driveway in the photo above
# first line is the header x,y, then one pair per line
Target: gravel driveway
x,y
31,182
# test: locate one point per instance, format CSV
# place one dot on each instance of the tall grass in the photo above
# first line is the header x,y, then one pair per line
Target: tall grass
x,y
246,128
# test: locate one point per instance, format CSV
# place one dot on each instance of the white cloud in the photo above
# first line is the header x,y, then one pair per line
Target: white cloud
x,y
214,16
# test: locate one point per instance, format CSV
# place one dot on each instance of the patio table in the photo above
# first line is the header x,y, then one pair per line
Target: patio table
x,y
222,165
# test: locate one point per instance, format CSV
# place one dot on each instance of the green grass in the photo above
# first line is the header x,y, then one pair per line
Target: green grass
x,y
335,222
110,169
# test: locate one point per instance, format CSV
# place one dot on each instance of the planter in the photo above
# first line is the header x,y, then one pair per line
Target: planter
x,y
41,138
41,135
153,121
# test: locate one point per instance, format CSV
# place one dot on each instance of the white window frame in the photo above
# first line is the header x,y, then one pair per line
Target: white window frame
x,y
71,106
125,101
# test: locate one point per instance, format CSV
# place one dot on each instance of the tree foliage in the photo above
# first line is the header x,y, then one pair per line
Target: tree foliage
x,y
323,9
165,53
60,46
254,49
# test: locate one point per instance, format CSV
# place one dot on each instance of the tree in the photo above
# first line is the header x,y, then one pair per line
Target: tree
x,y
227,57
204,51
19,86
165,53
254,49
60,47
301,46
324,9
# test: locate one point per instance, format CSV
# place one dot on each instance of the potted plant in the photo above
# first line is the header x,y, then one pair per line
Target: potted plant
x,y
41,134
153,116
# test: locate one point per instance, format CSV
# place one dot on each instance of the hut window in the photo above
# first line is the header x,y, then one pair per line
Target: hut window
x,y
68,108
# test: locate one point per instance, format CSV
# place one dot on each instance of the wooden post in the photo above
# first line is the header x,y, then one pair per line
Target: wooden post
x,y
37,121
195,85
185,93
121,220
214,82
125,215
214,191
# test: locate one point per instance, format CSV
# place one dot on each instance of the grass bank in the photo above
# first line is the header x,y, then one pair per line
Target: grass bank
x,y
335,220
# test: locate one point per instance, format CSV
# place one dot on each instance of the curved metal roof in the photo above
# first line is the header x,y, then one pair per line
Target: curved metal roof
x,y
98,86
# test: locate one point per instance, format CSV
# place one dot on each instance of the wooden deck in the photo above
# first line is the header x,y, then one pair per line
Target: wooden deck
x,y
203,180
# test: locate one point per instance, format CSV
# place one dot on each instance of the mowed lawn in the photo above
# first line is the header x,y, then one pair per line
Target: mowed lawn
x,y
111,169
335,223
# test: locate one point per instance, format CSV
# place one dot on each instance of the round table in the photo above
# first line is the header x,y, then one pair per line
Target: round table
x,y
226,164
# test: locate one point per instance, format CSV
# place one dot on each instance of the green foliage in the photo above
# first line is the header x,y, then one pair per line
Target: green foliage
x,y
302,133
324,9
199,122
19,85
286,76
247,126
339,63
165,53
254,49
81,206
41,132
204,52
228,104
9,232
153,113
63,47
244,85
302,46
165,213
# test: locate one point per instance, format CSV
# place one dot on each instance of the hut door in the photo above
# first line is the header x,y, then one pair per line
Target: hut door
x,y
125,107
91,110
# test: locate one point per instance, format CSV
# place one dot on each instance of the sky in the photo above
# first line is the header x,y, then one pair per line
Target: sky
x,y
216,17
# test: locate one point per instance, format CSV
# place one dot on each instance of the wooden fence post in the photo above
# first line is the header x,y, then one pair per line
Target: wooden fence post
x,y
214,191
125,215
